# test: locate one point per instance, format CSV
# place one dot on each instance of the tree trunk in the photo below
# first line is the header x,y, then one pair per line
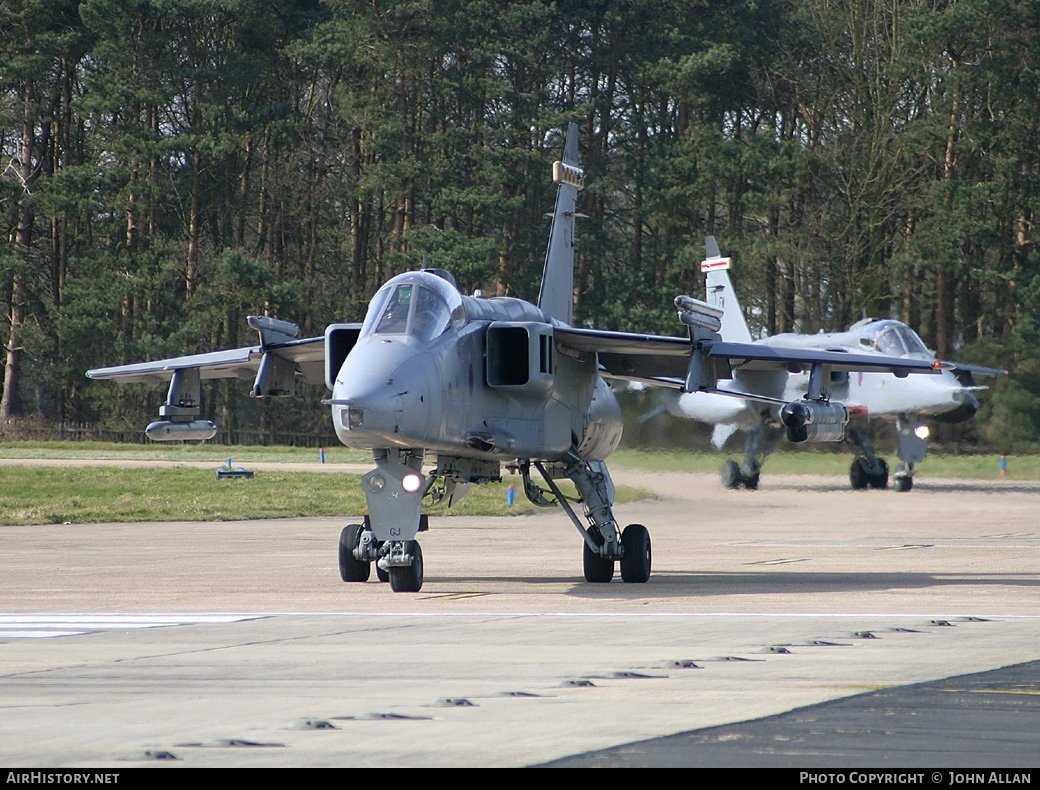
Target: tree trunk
x,y
194,220
23,240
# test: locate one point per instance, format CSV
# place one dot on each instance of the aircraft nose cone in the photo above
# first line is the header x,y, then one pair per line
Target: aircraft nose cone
x,y
966,408
380,395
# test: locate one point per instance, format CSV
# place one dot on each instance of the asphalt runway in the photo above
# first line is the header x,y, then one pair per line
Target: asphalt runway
x,y
800,625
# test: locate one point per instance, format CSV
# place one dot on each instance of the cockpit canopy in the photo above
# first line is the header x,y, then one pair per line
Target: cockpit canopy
x,y
893,338
417,304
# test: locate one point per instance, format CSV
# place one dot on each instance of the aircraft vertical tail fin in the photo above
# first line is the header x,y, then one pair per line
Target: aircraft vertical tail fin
x,y
720,293
557,293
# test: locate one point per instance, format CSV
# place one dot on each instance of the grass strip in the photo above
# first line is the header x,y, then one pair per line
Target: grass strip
x,y
79,495
784,462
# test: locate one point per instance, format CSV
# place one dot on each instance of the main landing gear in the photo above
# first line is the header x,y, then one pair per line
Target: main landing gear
x,y
760,443
868,470
604,544
863,475
733,476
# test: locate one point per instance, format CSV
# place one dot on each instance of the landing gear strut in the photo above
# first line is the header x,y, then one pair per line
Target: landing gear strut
x,y
912,450
604,543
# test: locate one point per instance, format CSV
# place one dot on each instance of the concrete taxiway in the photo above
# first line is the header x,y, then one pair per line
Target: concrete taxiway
x,y
236,644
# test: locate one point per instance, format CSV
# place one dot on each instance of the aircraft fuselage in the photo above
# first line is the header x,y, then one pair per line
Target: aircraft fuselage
x,y
486,382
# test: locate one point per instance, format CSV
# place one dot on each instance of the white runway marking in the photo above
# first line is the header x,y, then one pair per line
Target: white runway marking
x,y
35,626
29,626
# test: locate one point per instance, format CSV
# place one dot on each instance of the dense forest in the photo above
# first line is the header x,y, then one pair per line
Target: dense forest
x,y
170,166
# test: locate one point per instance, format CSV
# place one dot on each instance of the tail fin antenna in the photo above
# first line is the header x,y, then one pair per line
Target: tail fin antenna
x,y
557,293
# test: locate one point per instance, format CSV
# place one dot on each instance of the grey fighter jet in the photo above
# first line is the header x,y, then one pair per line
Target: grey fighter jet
x,y
445,389
909,402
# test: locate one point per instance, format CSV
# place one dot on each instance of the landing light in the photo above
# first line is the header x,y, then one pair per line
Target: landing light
x,y
411,483
377,483
921,431
352,418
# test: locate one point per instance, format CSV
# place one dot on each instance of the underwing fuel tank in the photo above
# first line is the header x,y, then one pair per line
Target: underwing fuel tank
x,y
167,431
813,421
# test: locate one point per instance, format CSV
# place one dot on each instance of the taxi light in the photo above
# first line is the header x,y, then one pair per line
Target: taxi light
x,y
921,431
411,483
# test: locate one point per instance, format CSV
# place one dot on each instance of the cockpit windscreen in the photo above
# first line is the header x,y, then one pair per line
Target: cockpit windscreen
x,y
408,307
893,338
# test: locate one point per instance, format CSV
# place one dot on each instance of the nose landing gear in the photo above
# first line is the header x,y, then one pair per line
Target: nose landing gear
x,y
404,564
399,562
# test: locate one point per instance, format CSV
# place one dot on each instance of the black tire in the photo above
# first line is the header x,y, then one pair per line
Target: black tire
x,y
351,569
597,570
730,474
904,483
858,475
408,578
751,483
880,480
636,561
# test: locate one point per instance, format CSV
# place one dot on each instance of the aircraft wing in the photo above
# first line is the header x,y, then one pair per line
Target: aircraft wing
x,y
965,373
306,354
758,356
982,371
664,361
651,359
